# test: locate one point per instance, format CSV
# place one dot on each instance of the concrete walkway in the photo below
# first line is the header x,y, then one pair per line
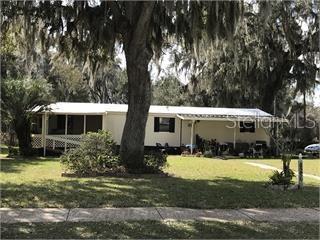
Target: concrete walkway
x,y
268,167
15,215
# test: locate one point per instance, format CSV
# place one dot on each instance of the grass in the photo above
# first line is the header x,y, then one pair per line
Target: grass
x,y
310,166
162,230
196,183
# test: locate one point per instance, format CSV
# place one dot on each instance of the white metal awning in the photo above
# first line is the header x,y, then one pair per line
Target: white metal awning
x,y
210,117
185,113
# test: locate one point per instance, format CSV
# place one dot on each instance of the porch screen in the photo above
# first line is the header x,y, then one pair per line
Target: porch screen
x,y
93,123
75,124
36,124
57,124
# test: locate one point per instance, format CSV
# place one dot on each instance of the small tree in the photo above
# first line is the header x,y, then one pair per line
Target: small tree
x,y
285,176
168,91
18,98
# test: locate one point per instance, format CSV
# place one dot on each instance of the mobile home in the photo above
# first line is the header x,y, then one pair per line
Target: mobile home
x,y
62,124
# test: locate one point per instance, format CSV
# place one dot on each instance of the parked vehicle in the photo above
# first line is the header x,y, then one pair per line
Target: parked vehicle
x,y
313,148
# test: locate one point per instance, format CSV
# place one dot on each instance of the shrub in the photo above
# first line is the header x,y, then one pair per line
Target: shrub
x,y
96,154
208,154
285,176
155,162
280,178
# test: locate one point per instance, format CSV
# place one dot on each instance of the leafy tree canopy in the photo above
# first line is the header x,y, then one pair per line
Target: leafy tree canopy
x,y
271,57
18,98
169,91
90,33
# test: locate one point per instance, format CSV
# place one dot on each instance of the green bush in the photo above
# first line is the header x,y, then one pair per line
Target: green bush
x,y
208,154
280,178
155,162
285,176
96,154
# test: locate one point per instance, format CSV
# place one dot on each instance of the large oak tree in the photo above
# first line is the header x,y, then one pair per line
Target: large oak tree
x,y
90,31
271,58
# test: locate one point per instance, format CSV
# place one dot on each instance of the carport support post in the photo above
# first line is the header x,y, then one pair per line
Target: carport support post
x,y
65,133
84,124
300,172
276,137
234,136
44,133
319,135
192,133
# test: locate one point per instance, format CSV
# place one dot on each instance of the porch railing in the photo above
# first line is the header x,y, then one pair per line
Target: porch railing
x,y
56,141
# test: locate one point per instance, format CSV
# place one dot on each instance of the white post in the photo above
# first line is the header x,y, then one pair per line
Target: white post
x,y
192,133
84,123
104,121
43,126
44,133
276,137
65,133
300,172
319,138
234,136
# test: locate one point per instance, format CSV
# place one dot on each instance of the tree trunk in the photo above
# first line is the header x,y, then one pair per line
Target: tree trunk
x,y
304,109
273,86
139,98
23,131
138,55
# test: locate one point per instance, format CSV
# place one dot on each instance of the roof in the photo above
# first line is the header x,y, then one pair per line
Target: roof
x,y
190,113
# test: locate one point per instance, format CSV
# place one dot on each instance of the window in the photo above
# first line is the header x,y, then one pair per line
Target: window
x,y
247,127
93,123
164,124
75,124
36,124
57,124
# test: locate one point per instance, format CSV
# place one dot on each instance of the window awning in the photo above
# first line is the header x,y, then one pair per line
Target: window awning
x,y
210,117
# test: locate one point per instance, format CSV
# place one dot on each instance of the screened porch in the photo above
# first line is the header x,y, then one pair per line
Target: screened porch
x,y
62,131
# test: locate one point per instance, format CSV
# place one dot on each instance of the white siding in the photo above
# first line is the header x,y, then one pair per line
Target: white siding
x,y
186,133
219,130
114,122
172,138
104,121
214,130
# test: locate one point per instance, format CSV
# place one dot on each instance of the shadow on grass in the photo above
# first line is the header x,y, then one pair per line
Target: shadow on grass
x,y
160,229
154,191
17,164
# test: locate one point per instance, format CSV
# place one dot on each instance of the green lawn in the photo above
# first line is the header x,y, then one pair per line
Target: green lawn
x,y
162,230
196,183
310,166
